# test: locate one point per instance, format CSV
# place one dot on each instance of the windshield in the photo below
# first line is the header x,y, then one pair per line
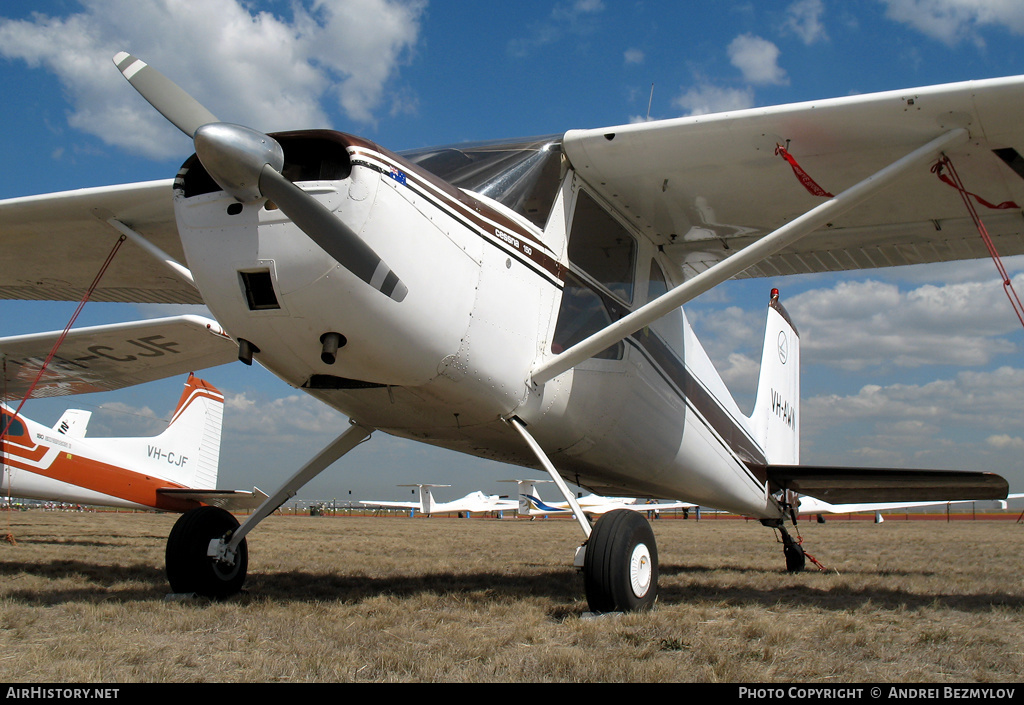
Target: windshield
x,y
523,175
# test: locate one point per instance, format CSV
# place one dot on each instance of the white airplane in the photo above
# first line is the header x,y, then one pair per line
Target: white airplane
x,y
474,502
810,505
522,301
175,471
530,503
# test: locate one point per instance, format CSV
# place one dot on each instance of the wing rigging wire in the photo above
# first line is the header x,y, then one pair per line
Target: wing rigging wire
x,y
955,181
28,394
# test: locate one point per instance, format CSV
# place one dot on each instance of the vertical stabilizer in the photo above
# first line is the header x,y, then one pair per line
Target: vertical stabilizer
x,y
194,431
73,423
426,500
776,417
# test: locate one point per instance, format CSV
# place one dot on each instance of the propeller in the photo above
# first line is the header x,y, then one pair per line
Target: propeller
x,y
247,164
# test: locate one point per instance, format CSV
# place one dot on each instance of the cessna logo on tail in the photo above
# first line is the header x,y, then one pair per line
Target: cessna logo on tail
x,y
783,347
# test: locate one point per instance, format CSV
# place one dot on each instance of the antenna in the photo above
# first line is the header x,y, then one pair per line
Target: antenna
x,y
649,101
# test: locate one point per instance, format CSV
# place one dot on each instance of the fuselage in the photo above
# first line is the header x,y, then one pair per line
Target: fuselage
x,y
44,463
492,289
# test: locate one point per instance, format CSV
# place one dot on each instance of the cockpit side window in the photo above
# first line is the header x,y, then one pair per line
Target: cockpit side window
x,y
11,426
657,285
602,247
582,313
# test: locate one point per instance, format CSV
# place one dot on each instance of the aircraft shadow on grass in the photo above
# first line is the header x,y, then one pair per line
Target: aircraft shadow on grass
x,y
142,582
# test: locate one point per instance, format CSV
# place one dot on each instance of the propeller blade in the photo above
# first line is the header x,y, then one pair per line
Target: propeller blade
x,y
326,230
247,164
181,109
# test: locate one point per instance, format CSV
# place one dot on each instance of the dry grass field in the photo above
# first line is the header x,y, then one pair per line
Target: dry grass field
x,y
82,599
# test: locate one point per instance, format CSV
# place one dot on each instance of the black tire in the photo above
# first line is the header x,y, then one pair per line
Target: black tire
x,y
795,557
620,568
189,569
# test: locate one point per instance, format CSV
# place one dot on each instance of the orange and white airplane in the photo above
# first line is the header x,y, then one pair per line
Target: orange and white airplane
x,y
174,471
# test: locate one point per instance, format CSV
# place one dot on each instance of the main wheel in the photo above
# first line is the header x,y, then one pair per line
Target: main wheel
x,y
620,568
189,569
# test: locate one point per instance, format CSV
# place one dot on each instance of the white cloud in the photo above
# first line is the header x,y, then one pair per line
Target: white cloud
x,y
952,21
249,67
704,99
935,425
576,17
1004,441
988,399
803,18
757,59
633,56
865,324
279,420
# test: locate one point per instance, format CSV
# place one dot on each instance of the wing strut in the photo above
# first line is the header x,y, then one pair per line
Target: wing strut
x,y
165,259
748,256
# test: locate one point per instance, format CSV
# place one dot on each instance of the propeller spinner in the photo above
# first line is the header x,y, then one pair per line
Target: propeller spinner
x,y
247,164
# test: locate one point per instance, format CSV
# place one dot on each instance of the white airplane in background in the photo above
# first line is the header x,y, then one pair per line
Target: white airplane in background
x,y
522,301
474,502
810,505
530,503
175,471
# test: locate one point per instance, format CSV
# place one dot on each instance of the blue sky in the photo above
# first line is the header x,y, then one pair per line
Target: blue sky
x,y
885,383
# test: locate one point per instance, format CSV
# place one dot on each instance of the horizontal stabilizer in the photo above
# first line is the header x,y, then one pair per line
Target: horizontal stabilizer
x,y
231,500
846,485
106,357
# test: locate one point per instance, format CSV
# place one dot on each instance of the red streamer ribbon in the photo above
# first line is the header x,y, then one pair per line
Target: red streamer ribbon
x,y
810,184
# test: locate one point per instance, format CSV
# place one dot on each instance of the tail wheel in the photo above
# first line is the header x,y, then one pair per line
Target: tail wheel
x,y
620,567
190,569
795,557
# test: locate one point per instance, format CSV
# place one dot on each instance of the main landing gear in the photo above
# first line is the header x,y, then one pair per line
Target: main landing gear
x,y
206,551
619,559
620,568
191,569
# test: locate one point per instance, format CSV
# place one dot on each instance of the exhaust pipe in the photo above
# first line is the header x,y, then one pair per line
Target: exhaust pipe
x,y
246,350
331,343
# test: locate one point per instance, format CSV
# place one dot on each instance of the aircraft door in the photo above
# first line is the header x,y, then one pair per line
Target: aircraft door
x,y
599,289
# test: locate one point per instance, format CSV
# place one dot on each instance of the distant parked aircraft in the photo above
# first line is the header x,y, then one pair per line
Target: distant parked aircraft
x,y
477,502
530,503
810,505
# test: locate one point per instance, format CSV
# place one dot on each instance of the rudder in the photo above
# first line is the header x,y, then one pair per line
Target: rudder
x,y
776,416
196,425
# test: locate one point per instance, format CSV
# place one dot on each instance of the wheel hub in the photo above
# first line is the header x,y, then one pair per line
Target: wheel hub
x,y
640,570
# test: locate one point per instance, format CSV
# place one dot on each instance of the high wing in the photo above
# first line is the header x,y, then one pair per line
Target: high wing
x,y
707,186
54,245
102,358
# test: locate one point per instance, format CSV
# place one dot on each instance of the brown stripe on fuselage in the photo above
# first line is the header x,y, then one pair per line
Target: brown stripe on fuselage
x,y
481,216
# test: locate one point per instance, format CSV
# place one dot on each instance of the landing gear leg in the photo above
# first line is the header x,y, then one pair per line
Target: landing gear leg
x,y
206,551
619,558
